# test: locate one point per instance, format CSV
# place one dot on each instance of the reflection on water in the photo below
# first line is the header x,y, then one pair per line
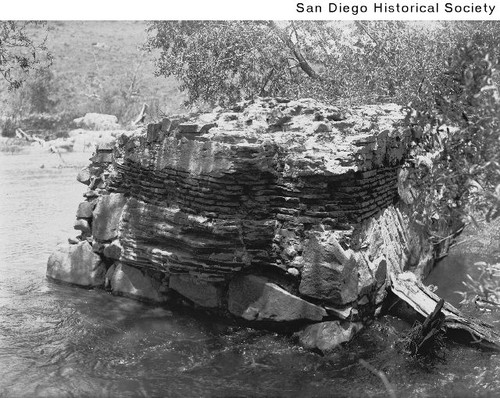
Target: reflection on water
x,y
59,341
448,275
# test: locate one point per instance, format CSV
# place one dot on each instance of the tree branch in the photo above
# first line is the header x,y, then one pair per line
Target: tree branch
x,y
302,62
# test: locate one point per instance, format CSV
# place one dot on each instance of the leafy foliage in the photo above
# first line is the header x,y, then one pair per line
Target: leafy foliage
x,y
20,52
226,61
465,172
483,290
38,94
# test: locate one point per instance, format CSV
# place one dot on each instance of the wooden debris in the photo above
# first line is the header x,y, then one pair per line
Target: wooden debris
x,y
142,115
28,137
421,299
431,326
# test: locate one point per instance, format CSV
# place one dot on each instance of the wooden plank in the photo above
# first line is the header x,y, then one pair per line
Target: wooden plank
x,y
421,299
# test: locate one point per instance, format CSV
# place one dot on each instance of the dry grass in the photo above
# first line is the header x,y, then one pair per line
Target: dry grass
x,y
99,65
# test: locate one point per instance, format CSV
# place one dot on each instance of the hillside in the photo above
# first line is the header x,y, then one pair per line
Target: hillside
x,y
98,66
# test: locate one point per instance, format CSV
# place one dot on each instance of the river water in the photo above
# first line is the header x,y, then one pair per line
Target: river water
x,y
62,341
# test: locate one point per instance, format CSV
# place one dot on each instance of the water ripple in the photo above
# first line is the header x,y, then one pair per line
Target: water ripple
x,y
60,341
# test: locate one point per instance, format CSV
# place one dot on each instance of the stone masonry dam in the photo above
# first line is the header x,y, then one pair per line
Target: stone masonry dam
x,y
273,212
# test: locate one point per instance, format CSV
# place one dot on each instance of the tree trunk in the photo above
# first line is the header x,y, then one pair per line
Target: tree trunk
x,y
302,62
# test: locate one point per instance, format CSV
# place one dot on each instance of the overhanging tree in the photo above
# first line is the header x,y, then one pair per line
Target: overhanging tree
x,y
226,61
444,73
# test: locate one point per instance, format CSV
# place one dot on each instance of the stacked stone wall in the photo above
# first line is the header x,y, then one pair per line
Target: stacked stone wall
x,y
276,211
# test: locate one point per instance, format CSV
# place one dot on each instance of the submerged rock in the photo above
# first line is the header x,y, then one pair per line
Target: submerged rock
x,y
202,293
326,336
256,299
76,264
131,282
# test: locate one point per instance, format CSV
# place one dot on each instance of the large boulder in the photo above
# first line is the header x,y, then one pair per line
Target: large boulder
x,y
86,140
254,298
328,275
107,214
84,176
84,210
97,121
76,264
113,250
131,282
326,336
199,292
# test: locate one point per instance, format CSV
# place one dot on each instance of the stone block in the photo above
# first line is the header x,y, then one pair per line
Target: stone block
x,y
326,336
340,313
203,293
368,174
97,247
366,280
105,146
206,127
82,225
91,194
107,214
324,277
133,283
379,267
153,132
254,298
102,157
84,210
189,128
84,176
109,276
165,125
76,264
113,250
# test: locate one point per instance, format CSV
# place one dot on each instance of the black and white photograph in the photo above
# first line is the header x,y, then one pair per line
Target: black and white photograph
x,y
297,206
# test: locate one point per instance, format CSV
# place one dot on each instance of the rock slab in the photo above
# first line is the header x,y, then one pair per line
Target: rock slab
x,y
84,210
107,216
97,121
132,282
76,264
200,292
255,299
324,277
